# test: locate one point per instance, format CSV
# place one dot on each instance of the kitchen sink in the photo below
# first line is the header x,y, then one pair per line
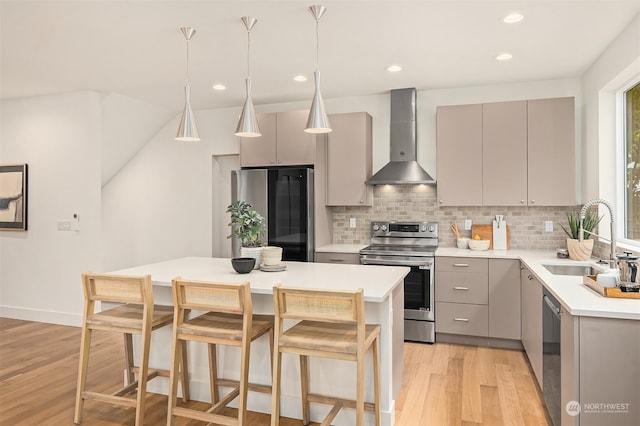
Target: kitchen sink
x,y
578,270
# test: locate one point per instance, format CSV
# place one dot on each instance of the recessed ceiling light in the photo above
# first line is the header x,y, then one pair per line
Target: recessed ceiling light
x,y
300,78
394,68
512,18
219,87
504,57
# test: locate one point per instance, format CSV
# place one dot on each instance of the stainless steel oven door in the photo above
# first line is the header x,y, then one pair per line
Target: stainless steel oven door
x,y
419,294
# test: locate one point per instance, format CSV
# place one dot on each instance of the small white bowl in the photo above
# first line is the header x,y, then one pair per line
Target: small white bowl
x,y
462,243
479,244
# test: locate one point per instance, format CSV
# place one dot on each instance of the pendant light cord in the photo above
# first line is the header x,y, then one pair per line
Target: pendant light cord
x,y
248,50
187,77
317,44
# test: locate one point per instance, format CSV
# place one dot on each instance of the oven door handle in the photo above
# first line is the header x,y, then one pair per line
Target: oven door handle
x,y
388,262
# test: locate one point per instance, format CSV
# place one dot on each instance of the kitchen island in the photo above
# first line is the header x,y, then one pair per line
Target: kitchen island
x,y
384,302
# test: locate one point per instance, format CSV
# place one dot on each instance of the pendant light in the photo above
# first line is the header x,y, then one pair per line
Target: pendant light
x,y
187,131
248,123
318,122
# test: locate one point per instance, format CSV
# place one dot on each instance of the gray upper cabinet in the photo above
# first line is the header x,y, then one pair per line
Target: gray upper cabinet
x,y
459,155
283,141
349,160
504,153
551,152
507,153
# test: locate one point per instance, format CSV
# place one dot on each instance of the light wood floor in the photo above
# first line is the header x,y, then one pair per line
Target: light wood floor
x,y
443,384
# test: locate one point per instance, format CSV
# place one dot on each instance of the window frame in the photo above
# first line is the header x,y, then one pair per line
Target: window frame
x,y
621,165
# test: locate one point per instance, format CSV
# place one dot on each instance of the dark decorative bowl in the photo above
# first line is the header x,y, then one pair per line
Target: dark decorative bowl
x,y
243,265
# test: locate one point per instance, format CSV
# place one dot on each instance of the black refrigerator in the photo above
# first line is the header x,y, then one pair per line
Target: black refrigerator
x,y
284,196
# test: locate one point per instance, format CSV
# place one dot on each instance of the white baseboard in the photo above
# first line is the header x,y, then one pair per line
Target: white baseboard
x,y
40,315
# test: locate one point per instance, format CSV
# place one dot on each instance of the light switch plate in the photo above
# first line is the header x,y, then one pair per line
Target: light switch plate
x,y
467,224
548,226
352,222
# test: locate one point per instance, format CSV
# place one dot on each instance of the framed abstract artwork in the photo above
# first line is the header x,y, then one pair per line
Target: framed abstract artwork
x,y
13,197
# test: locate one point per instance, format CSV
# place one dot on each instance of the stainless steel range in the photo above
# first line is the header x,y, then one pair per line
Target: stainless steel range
x,y
410,244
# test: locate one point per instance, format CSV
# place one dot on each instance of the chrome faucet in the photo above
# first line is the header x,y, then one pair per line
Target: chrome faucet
x,y
583,214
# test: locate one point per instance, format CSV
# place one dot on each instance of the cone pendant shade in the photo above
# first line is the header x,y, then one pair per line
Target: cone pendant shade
x,y
187,131
248,123
318,122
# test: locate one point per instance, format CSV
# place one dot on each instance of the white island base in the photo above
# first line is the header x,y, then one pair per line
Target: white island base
x,y
384,303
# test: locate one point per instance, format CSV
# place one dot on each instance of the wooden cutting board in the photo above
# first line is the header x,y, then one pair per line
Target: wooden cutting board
x,y
486,233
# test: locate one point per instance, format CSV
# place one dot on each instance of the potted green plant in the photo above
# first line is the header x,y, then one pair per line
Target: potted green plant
x,y
247,225
580,250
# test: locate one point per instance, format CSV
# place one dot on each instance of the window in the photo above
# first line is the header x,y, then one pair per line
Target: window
x,y
632,162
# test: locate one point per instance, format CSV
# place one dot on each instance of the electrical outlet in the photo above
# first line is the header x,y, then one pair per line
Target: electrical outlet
x,y
548,226
64,225
467,224
352,222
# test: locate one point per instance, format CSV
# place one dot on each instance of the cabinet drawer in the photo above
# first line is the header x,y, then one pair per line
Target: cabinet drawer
x,y
460,318
462,287
332,257
462,264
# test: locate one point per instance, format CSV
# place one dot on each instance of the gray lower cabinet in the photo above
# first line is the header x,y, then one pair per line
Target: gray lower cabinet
x,y
504,299
609,359
531,306
338,258
478,297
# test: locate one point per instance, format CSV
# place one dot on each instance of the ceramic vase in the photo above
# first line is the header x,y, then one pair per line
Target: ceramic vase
x,y
579,250
255,252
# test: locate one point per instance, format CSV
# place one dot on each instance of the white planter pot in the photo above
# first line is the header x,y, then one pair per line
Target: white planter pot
x,y
255,252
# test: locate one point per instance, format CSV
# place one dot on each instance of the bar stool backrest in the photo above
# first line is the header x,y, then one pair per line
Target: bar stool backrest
x,y
228,298
320,305
117,288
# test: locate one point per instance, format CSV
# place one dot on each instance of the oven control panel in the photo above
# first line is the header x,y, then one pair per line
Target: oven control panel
x,y
404,229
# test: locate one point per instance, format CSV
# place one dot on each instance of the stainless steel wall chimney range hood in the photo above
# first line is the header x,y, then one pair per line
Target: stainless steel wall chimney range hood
x,y
402,169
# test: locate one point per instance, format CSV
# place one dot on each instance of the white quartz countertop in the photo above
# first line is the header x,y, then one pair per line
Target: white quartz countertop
x,y
341,248
574,296
377,281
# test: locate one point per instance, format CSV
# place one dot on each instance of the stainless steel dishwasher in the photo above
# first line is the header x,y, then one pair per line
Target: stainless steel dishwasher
x,y
551,317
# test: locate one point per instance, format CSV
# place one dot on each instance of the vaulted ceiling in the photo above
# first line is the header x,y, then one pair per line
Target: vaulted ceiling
x,y
135,48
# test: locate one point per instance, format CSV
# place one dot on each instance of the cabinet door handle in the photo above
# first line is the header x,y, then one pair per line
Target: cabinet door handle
x,y
335,259
460,265
461,288
461,319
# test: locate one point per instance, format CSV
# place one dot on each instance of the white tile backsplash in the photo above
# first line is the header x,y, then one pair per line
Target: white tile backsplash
x,y
418,202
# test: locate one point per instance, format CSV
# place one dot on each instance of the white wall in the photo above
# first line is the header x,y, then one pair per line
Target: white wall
x,y
59,138
127,125
614,69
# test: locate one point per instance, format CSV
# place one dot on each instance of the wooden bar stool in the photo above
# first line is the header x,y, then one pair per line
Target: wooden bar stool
x,y
228,320
136,315
332,325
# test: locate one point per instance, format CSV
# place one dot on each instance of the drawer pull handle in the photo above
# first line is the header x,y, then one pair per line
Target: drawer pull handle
x,y
461,319
461,288
335,259
461,265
